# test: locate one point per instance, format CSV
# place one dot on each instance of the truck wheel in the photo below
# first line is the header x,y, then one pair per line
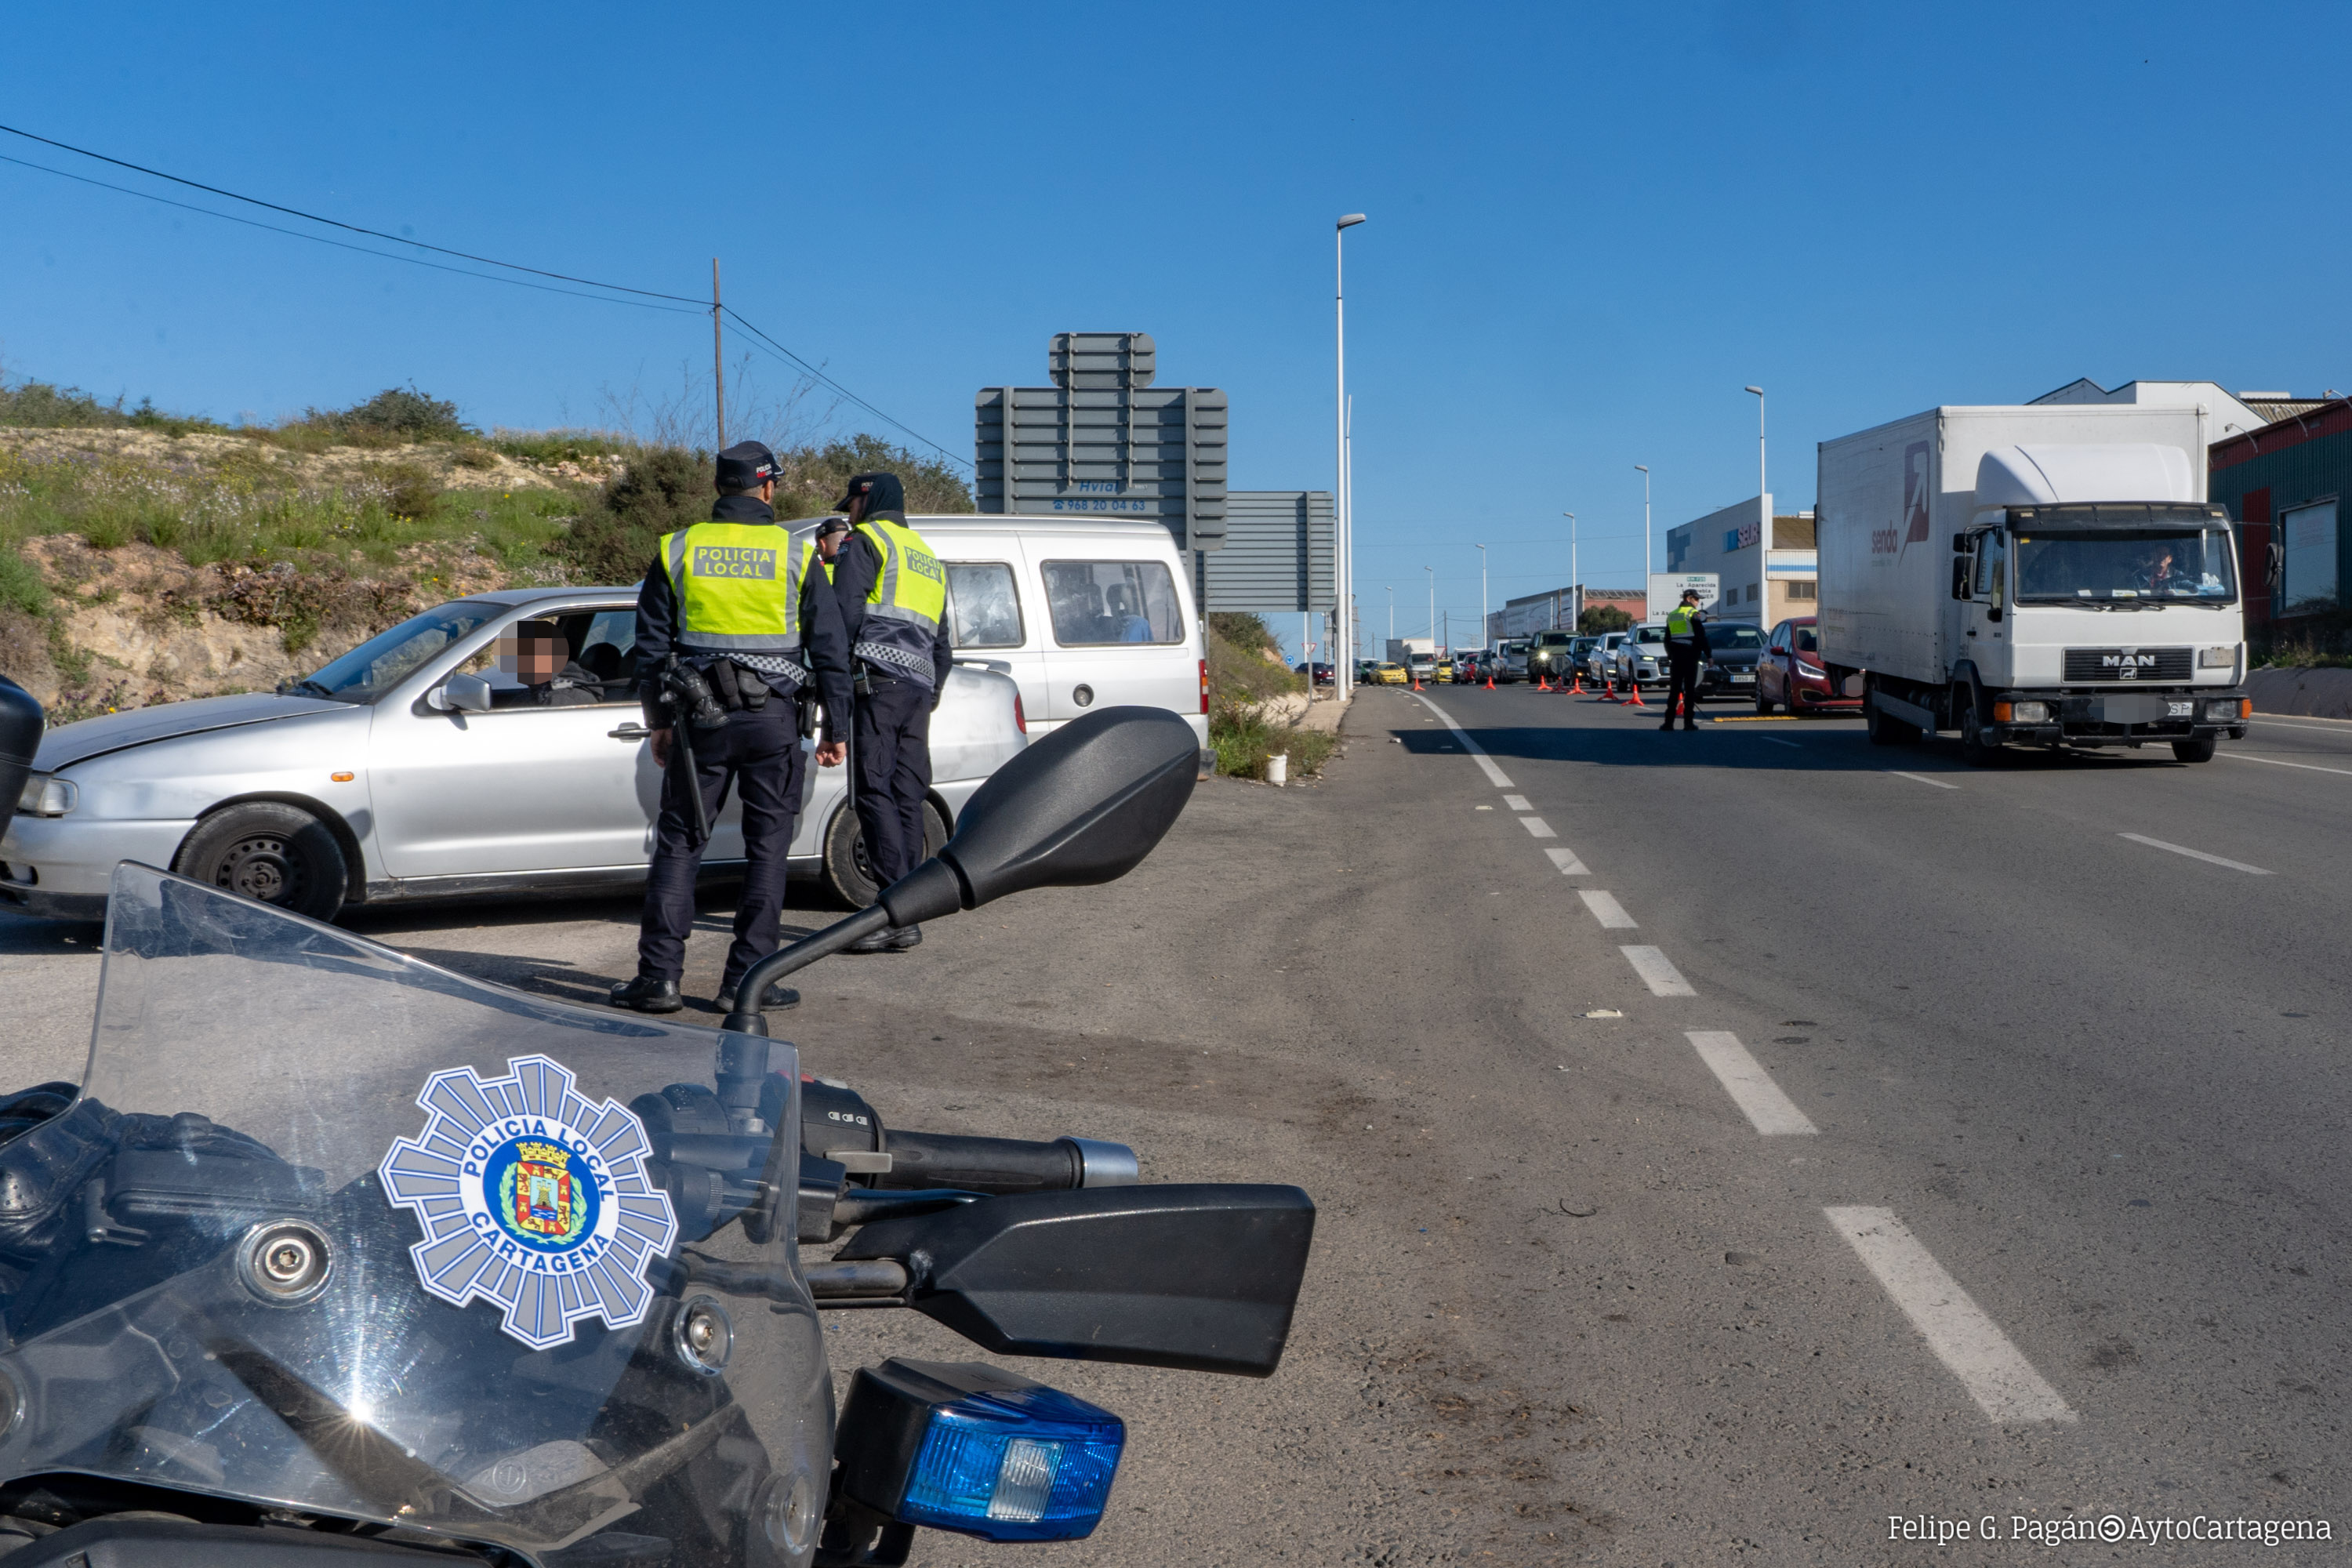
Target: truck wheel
x,y
2193,751
273,853
1884,731
1975,750
846,870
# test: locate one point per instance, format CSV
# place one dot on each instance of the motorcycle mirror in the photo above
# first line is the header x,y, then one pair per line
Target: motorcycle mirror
x,y
1194,1276
21,723
1085,804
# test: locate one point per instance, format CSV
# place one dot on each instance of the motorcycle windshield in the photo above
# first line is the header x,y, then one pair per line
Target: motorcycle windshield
x,y
332,1231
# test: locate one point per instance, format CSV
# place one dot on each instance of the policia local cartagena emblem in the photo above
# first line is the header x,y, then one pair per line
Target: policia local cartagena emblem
x,y
533,1198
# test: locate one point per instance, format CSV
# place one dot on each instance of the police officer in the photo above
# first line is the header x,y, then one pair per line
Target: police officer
x,y
737,603
893,593
1686,646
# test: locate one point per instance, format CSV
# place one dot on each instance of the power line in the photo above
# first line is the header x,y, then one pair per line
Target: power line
x,y
344,244
683,304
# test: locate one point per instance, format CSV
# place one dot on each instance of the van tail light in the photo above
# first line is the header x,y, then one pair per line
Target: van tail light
x,y
1020,716
1204,686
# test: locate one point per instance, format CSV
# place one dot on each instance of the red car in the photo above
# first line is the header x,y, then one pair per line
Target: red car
x,y
1790,674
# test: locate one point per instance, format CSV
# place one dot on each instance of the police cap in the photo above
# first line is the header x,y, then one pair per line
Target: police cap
x,y
746,466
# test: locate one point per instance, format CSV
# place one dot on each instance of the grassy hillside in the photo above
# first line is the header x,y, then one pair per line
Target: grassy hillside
x,y
148,557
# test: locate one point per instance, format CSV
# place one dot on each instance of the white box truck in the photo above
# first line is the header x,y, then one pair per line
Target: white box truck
x,y
2046,576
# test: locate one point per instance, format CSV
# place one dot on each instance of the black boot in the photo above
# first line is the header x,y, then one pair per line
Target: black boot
x,y
779,998
904,937
882,941
646,993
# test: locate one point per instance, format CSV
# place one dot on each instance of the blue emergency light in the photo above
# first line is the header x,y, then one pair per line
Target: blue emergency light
x,y
965,1447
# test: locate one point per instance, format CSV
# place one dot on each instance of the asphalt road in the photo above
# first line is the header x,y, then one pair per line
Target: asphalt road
x,y
1976,1160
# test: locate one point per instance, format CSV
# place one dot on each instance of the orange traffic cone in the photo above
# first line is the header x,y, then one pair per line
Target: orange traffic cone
x,y
1543,683
1635,688
1490,683
1578,689
1609,691
1416,683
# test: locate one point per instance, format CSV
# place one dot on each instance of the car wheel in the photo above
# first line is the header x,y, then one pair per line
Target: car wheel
x,y
1763,704
273,853
846,870
2193,751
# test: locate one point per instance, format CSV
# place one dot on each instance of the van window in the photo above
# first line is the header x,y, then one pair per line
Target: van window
x,y
1095,603
983,607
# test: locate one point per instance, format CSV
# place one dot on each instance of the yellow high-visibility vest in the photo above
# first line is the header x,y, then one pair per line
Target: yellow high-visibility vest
x,y
738,585
906,604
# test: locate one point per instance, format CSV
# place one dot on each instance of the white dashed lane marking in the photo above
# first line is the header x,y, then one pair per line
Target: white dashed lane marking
x,y
1776,741
1657,973
1606,908
1485,763
2306,767
1537,827
1570,866
1517,802
1750,1086
2195,854
2002,1382
1921,778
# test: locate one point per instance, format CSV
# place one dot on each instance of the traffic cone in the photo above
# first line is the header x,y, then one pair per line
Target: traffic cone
x,y
1416,683
1609,691
1579,689
1543,683
1490,683
1635,688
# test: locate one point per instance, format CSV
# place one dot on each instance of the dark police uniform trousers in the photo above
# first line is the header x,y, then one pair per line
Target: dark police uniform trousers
x,y
1682,677
890,747
760,752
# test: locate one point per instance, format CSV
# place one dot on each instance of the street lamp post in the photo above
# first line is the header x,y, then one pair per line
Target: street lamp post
x,y
1482,595
1433,607
1342,511
1763,523
1646,563
1576,582
1392,618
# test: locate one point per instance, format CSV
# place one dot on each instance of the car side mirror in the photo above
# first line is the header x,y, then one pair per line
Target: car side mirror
x,y
470,693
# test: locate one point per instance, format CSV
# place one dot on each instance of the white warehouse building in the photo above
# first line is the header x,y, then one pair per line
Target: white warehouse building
x,y
1759,581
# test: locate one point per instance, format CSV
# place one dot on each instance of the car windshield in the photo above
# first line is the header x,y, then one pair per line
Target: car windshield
x,y
253,1077
2125,564
384,660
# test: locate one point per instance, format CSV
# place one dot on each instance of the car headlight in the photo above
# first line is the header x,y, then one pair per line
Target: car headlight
x,y
1810,672
2228,709
2217,657
46,795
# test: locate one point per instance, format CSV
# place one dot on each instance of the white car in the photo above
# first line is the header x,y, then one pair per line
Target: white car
x,y
413,767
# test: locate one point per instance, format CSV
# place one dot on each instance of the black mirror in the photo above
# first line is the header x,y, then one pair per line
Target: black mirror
x,y
20,737
1192,1276
1959,577
1083,806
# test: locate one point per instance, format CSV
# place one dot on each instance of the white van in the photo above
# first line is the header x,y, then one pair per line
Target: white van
x,y
1081,612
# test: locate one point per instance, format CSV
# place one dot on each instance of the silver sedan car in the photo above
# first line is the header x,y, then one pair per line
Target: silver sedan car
x,y
414,767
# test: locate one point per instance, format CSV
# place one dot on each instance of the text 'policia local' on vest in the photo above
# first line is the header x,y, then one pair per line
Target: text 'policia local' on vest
x,y
904,607
726,579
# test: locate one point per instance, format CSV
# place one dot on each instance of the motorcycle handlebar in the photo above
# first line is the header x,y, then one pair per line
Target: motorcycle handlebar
x,y
1001,1165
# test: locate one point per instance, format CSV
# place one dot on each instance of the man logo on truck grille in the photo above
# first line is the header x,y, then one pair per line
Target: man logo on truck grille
x,y
2127,664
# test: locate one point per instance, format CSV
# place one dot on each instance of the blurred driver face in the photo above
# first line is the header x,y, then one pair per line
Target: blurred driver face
x,y
533,652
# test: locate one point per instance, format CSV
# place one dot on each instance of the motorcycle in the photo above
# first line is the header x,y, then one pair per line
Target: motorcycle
x,y
335,1258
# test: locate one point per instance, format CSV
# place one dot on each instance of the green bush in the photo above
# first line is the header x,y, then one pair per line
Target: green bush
x,y
814,477
1242,742
21,587
663,490
1599,619
397,413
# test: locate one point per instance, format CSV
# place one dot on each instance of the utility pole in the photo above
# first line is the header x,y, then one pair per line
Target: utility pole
x,y
1482,611
1575,583
1432,602
1763,523
1647,565
718,360
1343,543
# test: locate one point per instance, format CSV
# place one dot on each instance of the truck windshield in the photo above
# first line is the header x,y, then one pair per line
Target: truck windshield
x,y
2165,564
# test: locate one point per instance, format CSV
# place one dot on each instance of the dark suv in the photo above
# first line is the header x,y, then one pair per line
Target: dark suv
x,y
1547,656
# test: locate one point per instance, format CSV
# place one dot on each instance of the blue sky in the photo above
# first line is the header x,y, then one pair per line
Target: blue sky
x,y
1590,225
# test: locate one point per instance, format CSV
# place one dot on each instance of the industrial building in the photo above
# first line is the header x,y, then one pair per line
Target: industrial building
x,y
1555,608
2284,485
1762,582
